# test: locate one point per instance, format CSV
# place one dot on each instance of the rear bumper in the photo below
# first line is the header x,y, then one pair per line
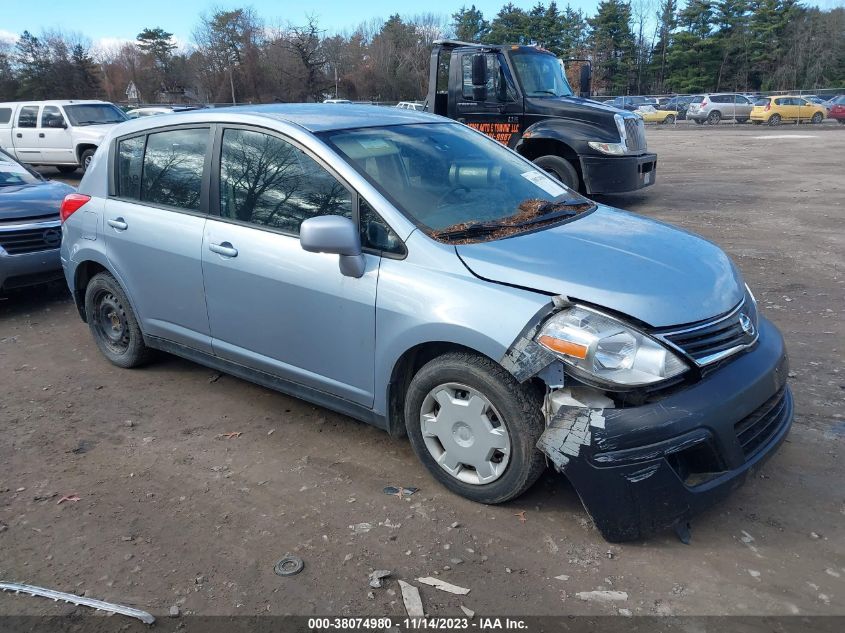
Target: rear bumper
x,y
617,174
644,469
29,269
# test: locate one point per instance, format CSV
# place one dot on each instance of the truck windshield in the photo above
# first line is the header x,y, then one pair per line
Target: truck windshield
x,y
453,182
94,114
540,74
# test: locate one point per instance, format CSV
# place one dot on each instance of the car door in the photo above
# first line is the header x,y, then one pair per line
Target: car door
x,y
273,306
25,134
153,227
496,110
743,107
54,139
805,108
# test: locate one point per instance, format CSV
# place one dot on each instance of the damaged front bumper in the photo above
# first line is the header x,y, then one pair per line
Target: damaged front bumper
x,y
642,469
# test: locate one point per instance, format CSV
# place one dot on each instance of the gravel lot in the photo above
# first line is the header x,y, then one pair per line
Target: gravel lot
x,y
172,513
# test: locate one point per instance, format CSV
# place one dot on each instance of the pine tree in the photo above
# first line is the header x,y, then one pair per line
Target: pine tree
x,y
470,25
613,46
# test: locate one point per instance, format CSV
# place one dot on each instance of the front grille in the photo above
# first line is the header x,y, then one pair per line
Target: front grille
x,y
709,342
635,134
31,240
756,429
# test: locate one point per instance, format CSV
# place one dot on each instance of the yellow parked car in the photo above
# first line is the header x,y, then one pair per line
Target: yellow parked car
x,y
776,110
650,115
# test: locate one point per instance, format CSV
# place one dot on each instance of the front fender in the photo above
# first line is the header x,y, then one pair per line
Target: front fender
x,y
572,132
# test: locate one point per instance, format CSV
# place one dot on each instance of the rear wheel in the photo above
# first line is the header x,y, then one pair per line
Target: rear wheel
x,y
474,427
714,117
698,121
774,120
756,122
742,120
113,323
560,168
669,120
817,118
67,169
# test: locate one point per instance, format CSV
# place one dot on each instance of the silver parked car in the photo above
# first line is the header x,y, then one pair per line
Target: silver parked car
x,y
712,108
408,271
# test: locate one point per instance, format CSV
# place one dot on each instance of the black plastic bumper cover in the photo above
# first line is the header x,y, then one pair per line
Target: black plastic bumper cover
x,y
628,476
617,174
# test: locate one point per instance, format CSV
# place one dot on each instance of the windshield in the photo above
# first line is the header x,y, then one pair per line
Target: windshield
x,y
540,74
447,178
13,173
94,114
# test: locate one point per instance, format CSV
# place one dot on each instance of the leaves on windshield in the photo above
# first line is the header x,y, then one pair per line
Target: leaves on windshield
x,y
531,213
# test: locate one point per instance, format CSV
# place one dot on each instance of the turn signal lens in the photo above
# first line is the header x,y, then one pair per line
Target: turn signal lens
x,y
71,204
560,346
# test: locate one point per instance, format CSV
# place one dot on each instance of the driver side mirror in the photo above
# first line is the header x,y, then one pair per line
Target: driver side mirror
x,y
479,77
334,234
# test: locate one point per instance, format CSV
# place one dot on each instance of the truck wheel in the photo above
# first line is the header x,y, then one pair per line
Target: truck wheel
x,y
85,159
113,323
66,169
560,168
475,428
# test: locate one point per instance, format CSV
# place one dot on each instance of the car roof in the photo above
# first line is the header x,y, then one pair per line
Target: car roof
x,y
57,101
322,117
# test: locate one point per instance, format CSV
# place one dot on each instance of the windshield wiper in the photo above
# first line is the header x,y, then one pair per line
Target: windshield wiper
x,y
472,230
544,92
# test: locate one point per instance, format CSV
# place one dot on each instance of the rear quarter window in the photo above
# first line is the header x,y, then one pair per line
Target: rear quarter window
x,y
130,160
5,115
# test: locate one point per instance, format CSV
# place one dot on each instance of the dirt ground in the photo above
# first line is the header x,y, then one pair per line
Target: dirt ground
x,y
170,512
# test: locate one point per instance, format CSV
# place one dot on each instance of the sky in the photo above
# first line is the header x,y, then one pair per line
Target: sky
x,y
109,22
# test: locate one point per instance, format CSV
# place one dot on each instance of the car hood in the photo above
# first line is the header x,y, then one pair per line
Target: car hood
x,y
32,201
94,132
653,272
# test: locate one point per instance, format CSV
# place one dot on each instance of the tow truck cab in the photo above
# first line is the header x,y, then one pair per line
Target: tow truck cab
x,y
519,95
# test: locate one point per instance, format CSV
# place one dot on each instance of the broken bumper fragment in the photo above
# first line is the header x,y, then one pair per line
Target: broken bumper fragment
x,y
640,470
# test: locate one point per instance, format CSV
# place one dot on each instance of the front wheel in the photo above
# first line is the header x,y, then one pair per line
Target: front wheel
x,y
669,120
474,427
560,168
85,159
713,118
66,169
817,118
113,323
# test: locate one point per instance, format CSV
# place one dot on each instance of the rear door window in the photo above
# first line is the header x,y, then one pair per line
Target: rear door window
x,y
173,167
28,116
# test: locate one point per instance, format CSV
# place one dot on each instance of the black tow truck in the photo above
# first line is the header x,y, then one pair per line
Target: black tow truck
x,y
519,95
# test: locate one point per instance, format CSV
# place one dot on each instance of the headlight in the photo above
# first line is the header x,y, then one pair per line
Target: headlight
x,y
600,347
616,149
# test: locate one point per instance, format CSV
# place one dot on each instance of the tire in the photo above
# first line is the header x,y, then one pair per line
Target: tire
x,y
774,120
85,159
817,118
756,122
113,323
561,169
697,121
513,406
742,121
841,121
67,169
714,117
669,120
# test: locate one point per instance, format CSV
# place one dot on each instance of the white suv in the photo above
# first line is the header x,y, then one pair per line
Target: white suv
x,y
64,134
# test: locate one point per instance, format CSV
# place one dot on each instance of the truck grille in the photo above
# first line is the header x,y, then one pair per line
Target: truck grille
x,y
30,240
756,429
714,340
635,134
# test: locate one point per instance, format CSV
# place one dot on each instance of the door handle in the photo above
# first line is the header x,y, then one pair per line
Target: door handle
x,y
19,135
118,223
224,248
41,135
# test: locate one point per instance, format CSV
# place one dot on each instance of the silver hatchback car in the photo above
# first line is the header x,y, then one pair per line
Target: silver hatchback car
x,y
410,272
